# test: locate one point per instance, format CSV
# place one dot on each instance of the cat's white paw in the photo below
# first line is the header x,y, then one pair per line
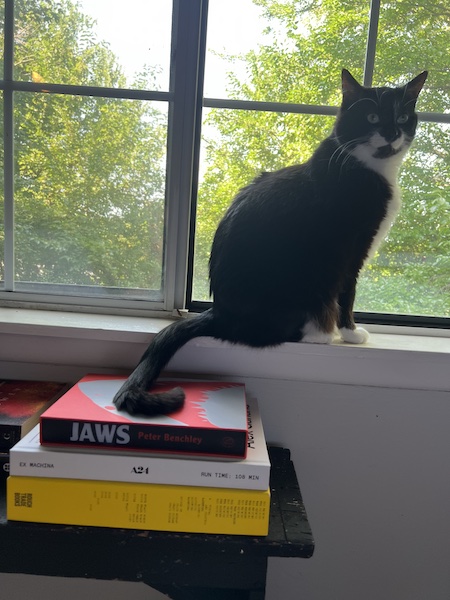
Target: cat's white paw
x,y
354,336
313,335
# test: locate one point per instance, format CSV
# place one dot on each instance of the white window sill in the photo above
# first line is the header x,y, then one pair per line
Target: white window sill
x,y
394,357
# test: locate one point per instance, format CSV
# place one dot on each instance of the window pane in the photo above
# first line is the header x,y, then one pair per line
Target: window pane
x,y
411,273
284,52
421,43
2,35
89,190
107,43
2,208
237,145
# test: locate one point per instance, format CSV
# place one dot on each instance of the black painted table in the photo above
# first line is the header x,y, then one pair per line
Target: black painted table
x,y
183,566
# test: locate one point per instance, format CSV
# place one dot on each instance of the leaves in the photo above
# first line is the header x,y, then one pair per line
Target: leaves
x,y
301,63
90,172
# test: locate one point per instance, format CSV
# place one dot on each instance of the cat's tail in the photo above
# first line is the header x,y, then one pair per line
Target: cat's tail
x,y
134,396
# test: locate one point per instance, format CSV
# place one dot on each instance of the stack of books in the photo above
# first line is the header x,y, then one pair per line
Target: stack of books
x,y
21,404
202,469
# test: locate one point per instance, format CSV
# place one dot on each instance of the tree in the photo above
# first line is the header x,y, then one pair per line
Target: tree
x,y
301,63
89,172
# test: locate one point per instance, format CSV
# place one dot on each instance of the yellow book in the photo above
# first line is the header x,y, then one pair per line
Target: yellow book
x,y
138,505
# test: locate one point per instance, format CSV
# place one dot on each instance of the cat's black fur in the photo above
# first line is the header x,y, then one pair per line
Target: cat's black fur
x,y
287,254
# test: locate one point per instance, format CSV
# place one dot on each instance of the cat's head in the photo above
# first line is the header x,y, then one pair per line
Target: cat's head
x,y
377,123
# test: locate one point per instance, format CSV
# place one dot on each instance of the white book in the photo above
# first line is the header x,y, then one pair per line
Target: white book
x,y
29,458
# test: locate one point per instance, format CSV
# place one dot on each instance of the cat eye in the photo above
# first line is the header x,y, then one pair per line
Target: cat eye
x,y
402,119
373,118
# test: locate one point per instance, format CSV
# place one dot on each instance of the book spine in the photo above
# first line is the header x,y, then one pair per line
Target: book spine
x,y
9,435
138,506
136,468
29,459
4,466
138,436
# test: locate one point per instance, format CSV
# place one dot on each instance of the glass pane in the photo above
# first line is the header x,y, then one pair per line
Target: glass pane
x,y
2,35
237,145
106,43
410,275
421,43
90,185
2,207
292,52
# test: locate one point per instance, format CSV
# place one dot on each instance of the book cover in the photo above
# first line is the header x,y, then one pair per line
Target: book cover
x,y
29,458
21,404
213,420
186,509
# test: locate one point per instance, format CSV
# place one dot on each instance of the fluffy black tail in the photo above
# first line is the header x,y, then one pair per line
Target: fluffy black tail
x,y
134,396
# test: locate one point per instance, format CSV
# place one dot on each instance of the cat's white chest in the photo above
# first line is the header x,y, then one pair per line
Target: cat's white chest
x,y
387,168
392,211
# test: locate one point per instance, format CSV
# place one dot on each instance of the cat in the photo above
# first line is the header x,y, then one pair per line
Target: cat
x,y
286,255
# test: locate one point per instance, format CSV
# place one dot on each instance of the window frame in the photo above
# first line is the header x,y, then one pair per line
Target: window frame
x,y
185,104
372,318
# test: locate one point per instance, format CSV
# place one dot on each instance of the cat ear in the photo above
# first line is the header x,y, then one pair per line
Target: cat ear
x,y
349,83
413,87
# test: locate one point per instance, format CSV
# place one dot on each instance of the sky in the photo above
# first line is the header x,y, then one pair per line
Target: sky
x,y
141,35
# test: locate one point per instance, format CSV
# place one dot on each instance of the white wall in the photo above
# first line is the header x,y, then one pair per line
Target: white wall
x,y
372,459
373,466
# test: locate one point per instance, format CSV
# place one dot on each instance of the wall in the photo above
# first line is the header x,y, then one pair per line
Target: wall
x,y
372,457
374,471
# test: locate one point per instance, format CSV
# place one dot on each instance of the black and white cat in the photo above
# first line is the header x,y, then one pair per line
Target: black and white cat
x,y
287,254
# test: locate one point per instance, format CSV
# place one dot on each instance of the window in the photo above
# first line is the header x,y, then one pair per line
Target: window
x,y
87,110
129,128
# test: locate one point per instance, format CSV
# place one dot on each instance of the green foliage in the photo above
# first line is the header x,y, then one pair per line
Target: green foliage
x,y
89,172
308,45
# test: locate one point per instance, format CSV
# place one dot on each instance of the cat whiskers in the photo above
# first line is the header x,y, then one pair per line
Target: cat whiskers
x,y
363,100
345,161
343,149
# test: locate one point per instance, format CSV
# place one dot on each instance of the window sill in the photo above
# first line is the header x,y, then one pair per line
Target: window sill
x,y
394,357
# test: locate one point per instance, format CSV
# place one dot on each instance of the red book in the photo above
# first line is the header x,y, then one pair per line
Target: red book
x,y
21,404
213,420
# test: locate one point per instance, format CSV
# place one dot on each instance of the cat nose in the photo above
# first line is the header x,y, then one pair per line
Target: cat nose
x,y
391,136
